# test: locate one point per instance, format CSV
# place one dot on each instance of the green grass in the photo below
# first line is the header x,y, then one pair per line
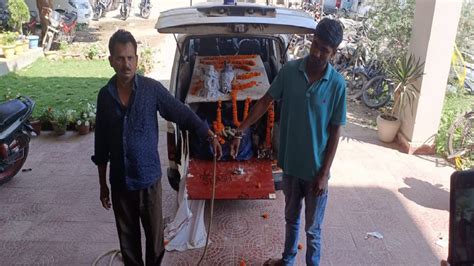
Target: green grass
x,y
453,106
64,84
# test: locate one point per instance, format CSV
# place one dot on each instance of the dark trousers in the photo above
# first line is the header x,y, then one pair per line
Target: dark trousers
x,y
129,208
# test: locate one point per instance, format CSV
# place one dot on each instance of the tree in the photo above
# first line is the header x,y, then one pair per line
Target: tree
x,y
391,26
19,14
465,35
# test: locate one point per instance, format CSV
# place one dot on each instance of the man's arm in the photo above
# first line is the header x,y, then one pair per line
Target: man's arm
x,y
101,151
257,111
338,119
321,180
104,189
175,111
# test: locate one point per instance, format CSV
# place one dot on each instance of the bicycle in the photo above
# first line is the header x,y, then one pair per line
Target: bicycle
x,y
377,92
461,139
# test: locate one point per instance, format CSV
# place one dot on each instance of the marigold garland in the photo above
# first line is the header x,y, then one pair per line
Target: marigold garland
x,y
244,62
229,57
249,75
246,107
270,121
236,86
196,87
235,117
218,125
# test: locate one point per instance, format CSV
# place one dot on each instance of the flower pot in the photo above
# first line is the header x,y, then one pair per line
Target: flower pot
x,y
83,129
387,129
58,130
26,45
33,41
36,125
8,51
19,48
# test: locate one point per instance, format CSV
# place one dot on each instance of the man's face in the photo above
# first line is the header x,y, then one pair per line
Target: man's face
x,y
124,60
320,53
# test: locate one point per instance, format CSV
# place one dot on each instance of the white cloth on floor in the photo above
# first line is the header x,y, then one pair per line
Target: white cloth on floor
x,y
187,230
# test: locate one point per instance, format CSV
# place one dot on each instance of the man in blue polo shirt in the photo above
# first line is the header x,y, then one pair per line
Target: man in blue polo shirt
x,y
313,109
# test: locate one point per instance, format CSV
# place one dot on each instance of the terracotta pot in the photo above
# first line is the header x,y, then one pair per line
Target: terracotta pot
x,y
57,129
83,129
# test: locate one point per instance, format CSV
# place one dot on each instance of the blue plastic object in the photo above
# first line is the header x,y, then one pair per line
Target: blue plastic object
x,y
33,41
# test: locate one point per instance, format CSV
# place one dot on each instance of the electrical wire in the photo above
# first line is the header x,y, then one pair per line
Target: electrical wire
x,y
212,210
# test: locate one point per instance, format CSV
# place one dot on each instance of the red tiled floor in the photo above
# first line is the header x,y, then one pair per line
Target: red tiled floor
x,y
53,210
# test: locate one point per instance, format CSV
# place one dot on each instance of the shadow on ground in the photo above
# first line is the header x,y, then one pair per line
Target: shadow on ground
x,y
425,194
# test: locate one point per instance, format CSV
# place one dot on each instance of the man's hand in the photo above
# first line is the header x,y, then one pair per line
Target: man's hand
x,y
217,148
105,197
234,147
320,183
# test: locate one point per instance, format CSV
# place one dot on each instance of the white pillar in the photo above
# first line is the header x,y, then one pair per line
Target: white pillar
x,y
433,36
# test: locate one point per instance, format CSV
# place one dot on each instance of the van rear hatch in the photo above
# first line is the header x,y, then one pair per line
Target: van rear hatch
x,y
243,18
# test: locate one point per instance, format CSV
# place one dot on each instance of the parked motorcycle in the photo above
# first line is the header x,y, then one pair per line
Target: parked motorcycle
x,y
15,132
145,8
101,8
125,9
4,16
62,28
33,26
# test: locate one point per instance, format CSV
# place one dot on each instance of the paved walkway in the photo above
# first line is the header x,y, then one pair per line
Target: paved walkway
x,y
51,215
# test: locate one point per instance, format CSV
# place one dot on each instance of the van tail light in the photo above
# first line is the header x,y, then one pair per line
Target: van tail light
x,y
3,151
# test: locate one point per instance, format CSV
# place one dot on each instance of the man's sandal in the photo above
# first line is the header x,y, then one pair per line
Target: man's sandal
x,y
273,262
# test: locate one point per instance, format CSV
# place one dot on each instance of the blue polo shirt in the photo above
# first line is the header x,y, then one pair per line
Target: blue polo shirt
x,y
307,110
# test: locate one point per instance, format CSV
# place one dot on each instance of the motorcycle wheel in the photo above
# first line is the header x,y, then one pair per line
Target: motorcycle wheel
x,y
98,12
23,142
125,12
71,35
47,41
355,81
145,12
377,92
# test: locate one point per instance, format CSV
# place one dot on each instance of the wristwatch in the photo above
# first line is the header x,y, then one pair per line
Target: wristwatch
x,y
212,138
238,134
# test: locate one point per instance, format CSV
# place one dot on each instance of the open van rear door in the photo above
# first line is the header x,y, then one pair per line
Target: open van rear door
x,y
246,18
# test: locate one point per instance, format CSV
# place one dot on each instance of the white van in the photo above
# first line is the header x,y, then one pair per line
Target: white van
x,y
242,33
82,7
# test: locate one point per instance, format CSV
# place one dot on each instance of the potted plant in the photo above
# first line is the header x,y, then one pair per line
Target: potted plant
x,y
25,42
8,44
85,119
19,14
60,122
19,45
403,73
47,115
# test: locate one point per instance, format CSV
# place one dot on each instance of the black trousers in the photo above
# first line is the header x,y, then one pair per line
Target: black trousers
x,y
131,207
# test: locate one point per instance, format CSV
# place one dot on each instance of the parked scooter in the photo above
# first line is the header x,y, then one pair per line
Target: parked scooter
x,y
145,8
15,131
62,28
125,9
